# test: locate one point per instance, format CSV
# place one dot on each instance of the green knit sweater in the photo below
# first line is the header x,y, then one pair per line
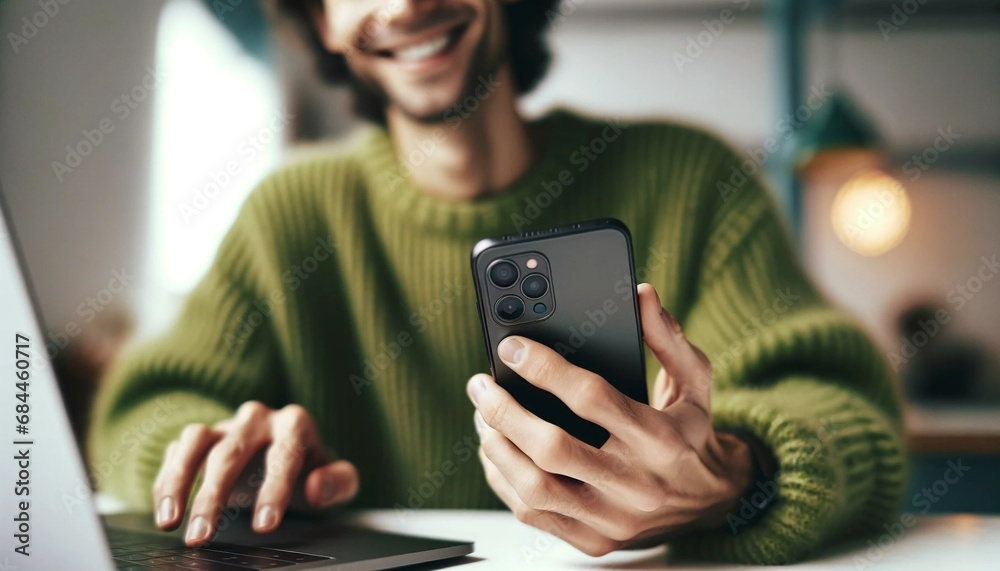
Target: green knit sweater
x,y
344,288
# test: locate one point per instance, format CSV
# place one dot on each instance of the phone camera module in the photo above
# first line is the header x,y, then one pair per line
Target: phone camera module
x,y
535,286
510,308
503,274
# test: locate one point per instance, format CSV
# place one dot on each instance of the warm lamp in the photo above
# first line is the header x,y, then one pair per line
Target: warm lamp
x,y
871,213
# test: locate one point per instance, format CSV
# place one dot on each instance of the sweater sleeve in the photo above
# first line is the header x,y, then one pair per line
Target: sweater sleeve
x,y
801,376
219,353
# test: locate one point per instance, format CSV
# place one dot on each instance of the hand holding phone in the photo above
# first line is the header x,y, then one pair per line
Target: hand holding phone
x,y
664,470
652,470
571,289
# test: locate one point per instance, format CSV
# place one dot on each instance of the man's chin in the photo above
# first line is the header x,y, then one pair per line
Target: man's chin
x,y
428,114
443,102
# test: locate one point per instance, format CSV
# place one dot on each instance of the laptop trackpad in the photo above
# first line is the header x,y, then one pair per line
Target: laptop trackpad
x,y
318,535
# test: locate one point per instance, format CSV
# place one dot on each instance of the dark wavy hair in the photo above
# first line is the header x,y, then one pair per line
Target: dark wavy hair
x,y
527,23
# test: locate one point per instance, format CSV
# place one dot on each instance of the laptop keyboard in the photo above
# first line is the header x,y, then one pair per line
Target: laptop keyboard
x,y
143,552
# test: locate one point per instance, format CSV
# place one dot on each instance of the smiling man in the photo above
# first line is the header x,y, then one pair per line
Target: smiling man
x,y
349,385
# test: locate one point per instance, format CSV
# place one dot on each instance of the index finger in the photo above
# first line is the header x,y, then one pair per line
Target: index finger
x,y
586,393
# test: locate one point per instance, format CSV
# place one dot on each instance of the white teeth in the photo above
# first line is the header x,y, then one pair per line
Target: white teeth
x,y
422,51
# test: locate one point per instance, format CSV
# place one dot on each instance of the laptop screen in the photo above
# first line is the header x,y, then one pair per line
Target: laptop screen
x,y
54,523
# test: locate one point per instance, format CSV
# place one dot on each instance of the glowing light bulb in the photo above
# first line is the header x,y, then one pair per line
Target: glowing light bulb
x,y
871,213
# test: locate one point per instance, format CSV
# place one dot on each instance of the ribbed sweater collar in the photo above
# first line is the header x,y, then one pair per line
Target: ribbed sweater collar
x,y
390,187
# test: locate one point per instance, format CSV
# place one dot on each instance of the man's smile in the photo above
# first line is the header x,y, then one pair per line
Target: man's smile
x,y
420,51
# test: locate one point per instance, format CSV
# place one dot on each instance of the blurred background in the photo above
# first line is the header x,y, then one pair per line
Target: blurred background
x,y
130,133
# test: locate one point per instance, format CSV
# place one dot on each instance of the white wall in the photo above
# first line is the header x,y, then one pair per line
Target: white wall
x,y
63,80
923,77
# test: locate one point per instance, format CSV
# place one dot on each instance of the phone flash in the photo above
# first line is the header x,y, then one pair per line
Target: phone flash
x,y
532,264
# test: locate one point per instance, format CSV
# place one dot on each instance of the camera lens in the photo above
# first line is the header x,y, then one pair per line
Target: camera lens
x,y
509,308
503,274
535,286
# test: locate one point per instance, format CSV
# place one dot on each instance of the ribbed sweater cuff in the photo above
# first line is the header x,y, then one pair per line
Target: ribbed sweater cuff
x,y
132,447
840,463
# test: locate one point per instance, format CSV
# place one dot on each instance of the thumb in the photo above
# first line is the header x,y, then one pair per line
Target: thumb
x,y
331,484
665,391
658,328
688,371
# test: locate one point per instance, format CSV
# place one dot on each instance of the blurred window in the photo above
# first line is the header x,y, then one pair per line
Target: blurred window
x,y
219,128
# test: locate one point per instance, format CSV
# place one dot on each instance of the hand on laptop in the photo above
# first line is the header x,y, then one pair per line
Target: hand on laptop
x,y
295,465
664,469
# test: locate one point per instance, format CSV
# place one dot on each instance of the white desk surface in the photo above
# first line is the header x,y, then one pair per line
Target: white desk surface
x,y
953,419
959,542
934,542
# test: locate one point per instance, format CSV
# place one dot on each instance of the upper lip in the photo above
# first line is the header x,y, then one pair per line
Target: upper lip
x,y
401,40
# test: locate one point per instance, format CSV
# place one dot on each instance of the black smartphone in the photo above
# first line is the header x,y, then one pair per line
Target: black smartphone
x,y
571,288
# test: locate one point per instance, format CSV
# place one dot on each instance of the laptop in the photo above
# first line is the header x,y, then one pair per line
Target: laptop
x,y
55,524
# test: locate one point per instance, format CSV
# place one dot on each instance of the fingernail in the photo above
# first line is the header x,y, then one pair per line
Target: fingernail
x,y
166,511
329,489
511,350
197,530
265,518
477,388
